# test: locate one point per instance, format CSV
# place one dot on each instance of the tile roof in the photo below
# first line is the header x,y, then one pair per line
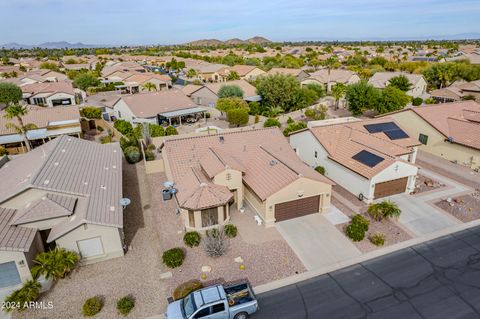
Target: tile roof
x,y
264,156
248,89
242,70
14,238
48,87
150,104
46,207
286,71
191,88
41,117
142,78
380,79
336,75
71,167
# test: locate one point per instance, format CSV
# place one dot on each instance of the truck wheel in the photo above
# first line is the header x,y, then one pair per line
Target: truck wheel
x,y
241,315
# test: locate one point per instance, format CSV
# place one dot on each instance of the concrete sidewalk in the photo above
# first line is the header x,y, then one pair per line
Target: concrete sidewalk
x,y
316,242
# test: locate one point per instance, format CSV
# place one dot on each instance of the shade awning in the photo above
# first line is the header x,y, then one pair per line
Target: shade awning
x,y
192,110
253,98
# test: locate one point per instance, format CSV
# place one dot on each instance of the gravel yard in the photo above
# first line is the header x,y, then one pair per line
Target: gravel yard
x,y
466,208
266,255
136,273
425,184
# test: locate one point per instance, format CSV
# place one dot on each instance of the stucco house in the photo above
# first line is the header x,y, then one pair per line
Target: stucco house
x,y
448,130
216,175
458,91
156,107
298,73
49,122
207,94
135,82
246,72
327,80
419,86
65,193
52,94
371,159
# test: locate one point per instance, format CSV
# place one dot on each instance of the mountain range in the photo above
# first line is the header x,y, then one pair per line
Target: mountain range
x,y
234,41
49,45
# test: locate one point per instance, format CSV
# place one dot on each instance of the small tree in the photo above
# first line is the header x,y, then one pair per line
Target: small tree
x,y
391,99
123,127
384,209
191,73
233,75
16,111
230,91
338,92
170,130
361,96
225,104
85,80
238,116
10,93
149,86
132,154
156,130
401,82
91,112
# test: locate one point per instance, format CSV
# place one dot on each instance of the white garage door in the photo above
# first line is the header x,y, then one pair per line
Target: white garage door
x,y
90,247
9,275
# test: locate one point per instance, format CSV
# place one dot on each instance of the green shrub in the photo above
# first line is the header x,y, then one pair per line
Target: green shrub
x,y
3,151
384,209
123,127
430,101
294,127
100,129
320,169
106,139
230,230
173,258
91,112
149,156
132,154
257,118
378,239
290,120
151,147
355,232
214,232
170,130
417,101
92,306
192,239
186,288
208,115
156,130
21,297
56,263
362,221
125,305
270,122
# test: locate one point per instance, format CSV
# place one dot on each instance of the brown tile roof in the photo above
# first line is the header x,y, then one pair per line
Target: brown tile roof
x,y
264,155
450,120
248,89
242,70
48,87
191,88
286,71
150,104
142,78
14,238
380,79
41,117
336,75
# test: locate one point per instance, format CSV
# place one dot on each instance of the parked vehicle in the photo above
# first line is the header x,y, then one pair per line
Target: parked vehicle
x,y
215,302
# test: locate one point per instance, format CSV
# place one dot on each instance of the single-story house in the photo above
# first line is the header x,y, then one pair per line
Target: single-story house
x,y
327,80
49,122
298,73
371,159
51,94
65,193
447,130
207,94
458,91
135,83
128,66
43,75
210,72
156,107
419,86
216,175
246,72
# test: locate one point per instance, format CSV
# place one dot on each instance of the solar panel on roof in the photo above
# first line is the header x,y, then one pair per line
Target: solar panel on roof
x,y
381,127
367,158
396,134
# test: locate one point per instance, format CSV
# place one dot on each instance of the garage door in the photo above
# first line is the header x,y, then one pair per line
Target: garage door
x,y
297,208
9,275
396,186
90,247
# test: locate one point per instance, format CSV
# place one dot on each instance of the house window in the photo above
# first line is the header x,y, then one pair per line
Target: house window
x,y
119,114
90,247
423,139
191,218
39,101
316,154
209,217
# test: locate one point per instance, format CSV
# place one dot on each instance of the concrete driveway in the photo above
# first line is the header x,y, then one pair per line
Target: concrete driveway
x,y
419,215
316,242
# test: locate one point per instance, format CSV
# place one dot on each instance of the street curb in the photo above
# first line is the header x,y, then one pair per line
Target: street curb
x,y
367,256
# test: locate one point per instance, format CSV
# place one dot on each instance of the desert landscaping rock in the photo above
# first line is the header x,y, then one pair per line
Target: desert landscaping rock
x,y
206,269
238,260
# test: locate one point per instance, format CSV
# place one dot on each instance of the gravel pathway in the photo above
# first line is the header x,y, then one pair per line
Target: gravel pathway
x,y
136,273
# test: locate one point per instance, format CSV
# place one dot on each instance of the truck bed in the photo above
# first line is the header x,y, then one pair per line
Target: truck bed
x,y
239,294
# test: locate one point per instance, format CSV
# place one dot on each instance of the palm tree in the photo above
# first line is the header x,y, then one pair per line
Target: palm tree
x,y
384,209
191,73
55,263
330,63
274,111
149,86
338,91
16,111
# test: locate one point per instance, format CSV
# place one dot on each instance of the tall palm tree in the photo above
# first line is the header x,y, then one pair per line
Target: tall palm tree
x,y
338,91
330,63
17,111
149,86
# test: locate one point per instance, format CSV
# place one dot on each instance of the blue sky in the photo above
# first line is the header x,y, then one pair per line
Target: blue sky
x,y
166,21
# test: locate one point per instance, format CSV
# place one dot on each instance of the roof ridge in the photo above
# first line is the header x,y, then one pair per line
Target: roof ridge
x,y
180,137
377,137
281,161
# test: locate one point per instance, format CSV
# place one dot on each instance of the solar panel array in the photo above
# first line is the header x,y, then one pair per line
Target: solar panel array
x,y
367,158
389,128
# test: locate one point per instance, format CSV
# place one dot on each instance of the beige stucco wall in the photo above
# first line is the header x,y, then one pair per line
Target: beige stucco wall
x,y
436,144
111,240
198,219
233,183
204,97
252,75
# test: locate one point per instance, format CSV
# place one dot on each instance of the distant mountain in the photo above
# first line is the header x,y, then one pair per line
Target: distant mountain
x,y
50,45
451,37
234,41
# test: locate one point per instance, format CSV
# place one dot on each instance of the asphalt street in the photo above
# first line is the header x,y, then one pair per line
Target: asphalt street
x,y
437,279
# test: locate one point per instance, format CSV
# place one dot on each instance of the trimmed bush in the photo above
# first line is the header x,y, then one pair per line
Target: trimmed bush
x,y
21,297
123,127
230,230
132,154
417,101
384,209
270,122
91,112
290,120
174,257
106,139
355,232
170,130
125,305
378,239
92,306
56,263
151,147
360,220
100,129
192,239
149,156
257,118
186,288
320,169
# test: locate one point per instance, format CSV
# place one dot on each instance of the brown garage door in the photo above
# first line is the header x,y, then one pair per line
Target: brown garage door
x,y
396,186
297,208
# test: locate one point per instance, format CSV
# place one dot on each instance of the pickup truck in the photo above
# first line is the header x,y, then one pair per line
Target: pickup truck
x,y
215,302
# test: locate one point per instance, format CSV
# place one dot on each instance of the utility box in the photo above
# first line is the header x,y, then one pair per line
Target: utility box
x,y
167,194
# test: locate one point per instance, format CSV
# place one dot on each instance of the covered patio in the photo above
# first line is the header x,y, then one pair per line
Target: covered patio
x,y
190,115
